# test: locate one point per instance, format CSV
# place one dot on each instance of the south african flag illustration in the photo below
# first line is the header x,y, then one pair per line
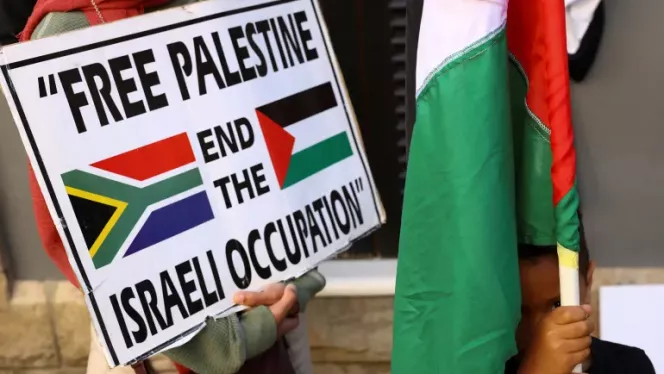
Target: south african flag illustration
x,y
276,118
108,210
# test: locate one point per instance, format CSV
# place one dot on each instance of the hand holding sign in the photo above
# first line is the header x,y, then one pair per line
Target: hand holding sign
x,y
281,300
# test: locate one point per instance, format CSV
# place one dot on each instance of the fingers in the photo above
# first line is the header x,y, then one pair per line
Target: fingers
x,y
577,329
282,308
588,309
577,345
270,295
295,310
570,314
579,357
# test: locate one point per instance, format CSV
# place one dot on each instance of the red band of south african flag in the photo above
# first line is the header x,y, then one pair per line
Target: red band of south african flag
x,y
275,117
108,210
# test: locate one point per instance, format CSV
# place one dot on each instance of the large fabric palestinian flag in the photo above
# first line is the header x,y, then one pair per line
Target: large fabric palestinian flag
x,y
491,164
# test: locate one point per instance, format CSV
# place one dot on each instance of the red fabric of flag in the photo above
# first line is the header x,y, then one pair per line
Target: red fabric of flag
x,y
536,37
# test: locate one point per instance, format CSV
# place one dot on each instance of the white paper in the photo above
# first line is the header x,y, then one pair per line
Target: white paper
x,y
632,315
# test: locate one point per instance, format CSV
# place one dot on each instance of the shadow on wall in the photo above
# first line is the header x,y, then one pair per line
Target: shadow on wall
x,y
18,233
617,114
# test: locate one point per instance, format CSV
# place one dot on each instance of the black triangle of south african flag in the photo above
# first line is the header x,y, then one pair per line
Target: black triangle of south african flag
x,y
92,217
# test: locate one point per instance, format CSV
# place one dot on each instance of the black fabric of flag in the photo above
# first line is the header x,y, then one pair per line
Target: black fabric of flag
x,y
413,19
583,59
92,217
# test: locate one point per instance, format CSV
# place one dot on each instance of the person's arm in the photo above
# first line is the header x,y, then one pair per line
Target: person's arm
x,y
640,363
307,287
224,345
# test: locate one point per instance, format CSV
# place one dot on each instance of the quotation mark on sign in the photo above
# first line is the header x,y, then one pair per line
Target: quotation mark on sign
x,y
359,186
53,89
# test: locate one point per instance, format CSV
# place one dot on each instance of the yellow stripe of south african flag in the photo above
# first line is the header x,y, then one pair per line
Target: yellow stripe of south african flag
x,y
119,205
567,257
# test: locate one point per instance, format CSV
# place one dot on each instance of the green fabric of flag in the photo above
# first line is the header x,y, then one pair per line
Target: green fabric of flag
x,y
458,235
491,164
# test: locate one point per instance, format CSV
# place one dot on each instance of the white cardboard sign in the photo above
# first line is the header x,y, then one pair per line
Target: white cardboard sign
x,y
619,324
188,154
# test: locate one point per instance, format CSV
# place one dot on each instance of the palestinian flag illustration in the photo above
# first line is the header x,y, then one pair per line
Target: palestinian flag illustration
x,y
275,119
108,210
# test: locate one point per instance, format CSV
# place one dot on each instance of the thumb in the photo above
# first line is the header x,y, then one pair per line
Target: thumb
x,y
588,309
281,309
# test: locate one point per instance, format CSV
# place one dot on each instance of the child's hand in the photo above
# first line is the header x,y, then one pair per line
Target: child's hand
x,y
561,342
271,294
282,311
280,299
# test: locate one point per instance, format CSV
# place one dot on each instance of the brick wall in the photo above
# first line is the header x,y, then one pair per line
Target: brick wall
x,y
44,328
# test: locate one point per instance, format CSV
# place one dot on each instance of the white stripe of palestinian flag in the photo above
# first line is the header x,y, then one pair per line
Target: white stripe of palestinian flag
x,y
448,27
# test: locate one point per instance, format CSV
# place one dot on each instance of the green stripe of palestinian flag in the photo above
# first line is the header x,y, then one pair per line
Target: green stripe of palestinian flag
x,y
457,296
532,149
276,119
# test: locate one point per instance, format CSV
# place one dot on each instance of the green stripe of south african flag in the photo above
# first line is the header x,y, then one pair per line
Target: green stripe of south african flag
x,y
137,200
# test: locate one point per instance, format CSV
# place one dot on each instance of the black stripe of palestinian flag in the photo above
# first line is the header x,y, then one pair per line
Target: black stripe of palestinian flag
x,y
275,119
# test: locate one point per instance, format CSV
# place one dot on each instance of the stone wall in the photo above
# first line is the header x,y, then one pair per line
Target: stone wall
x,y
44,328
4,284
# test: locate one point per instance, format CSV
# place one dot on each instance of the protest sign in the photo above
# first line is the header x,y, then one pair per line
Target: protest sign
x,y
188,154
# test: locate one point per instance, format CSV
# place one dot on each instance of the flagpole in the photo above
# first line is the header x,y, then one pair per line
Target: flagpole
x,y
568,267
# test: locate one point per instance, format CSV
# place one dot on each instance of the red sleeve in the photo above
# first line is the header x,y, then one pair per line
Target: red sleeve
x,y
181,369
47,231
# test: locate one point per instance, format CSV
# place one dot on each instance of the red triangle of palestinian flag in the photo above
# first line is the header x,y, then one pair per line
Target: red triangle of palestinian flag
x,y
279,145
275,117
536,37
